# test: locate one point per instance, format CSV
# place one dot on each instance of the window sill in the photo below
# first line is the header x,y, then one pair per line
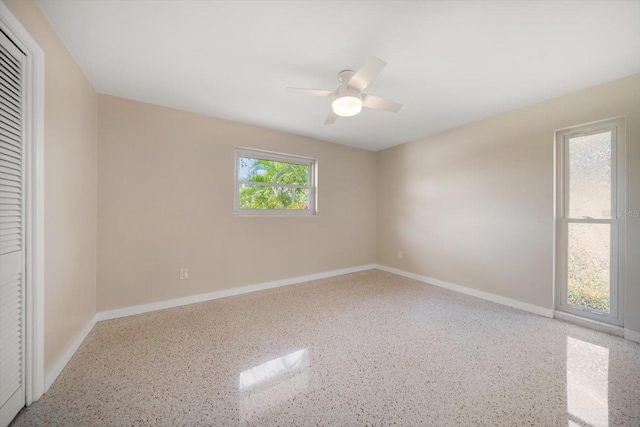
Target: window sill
x,y
589,323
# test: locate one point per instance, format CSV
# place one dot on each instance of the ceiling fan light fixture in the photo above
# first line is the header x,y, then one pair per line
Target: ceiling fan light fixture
x,y
347,106
348,98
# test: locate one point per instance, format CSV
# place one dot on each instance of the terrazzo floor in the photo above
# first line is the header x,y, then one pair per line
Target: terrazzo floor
x,y
368,348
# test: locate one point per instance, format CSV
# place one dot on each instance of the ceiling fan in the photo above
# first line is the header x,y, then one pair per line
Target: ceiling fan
x,y
348,99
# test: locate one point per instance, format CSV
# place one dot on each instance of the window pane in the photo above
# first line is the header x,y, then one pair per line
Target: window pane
x,y
268,197
589,265
258,170
590,176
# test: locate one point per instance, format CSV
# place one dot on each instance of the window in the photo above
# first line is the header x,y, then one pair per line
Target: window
x,y
590,220
274,184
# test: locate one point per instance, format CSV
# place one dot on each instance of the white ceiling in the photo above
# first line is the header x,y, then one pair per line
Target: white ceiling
x,y
449,63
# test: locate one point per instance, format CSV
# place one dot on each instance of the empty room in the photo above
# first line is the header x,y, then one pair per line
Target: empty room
x,y
319,213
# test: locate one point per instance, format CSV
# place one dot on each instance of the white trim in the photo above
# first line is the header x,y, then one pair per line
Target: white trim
x,y
589,323
536,309
273,184
34,196
632,335
312,164
62,361
161,305
177,302
617,222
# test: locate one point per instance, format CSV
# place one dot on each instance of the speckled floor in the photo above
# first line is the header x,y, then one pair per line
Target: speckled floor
x,y
368,348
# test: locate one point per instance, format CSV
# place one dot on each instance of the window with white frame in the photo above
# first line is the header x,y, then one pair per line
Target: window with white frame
x,y
272,183
590,220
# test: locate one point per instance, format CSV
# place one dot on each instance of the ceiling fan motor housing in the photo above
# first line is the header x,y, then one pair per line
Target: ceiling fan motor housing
x,y
345,75
345,90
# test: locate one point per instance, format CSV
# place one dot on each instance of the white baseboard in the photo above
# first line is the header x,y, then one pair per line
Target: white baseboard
x,y
632,335
536,309
52,375
62,361
177,302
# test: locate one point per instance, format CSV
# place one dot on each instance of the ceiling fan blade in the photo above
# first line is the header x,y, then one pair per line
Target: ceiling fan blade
x,y
367,73
377,103
331,118
314,92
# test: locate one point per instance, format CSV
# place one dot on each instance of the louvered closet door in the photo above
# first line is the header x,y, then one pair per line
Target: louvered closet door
x,y
12,390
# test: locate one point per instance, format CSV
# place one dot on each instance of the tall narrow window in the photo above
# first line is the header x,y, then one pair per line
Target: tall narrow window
x,y
272,183
590,215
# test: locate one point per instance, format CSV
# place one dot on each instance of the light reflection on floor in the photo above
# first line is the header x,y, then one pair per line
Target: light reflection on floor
x,y
273,368
587,384
270,384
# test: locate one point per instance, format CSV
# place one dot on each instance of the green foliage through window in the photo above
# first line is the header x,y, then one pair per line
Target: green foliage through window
x,y
587,287
269,184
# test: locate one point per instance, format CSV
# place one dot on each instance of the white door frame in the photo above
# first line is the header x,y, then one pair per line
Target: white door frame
x,y
34,196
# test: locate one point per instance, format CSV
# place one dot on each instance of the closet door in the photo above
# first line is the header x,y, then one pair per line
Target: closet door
x,y
12,283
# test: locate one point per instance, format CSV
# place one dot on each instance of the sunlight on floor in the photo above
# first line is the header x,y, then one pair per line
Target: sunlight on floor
x,y
587,384
273,383
273,368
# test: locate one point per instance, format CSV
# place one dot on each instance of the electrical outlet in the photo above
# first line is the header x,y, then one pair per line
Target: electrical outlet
x,y
400,255
184,274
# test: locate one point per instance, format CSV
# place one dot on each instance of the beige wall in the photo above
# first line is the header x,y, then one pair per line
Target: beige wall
x,y
70,187
165,201
474,205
